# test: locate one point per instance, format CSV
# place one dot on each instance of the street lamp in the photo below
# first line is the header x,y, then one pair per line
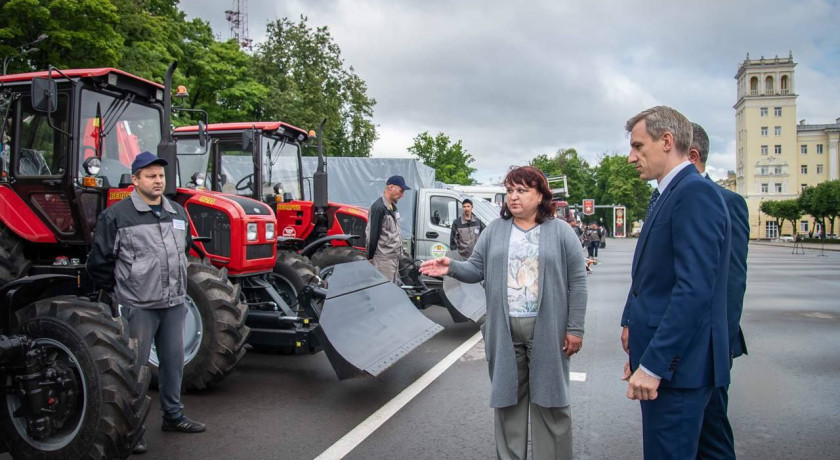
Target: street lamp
x,y
24,49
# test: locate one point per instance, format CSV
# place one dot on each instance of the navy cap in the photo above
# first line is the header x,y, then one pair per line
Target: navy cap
x,y
146,159
398,181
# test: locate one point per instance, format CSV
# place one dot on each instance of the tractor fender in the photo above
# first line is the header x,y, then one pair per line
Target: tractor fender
x,y
24,291
19,217
312,247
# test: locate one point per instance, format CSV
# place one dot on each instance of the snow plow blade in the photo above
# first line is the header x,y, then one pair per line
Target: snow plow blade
x,y
367,322
465,302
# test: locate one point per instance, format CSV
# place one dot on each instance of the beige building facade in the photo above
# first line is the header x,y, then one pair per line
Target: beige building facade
x,y
777,156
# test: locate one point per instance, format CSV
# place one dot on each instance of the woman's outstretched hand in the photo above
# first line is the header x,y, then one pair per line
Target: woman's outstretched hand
x,y
435,267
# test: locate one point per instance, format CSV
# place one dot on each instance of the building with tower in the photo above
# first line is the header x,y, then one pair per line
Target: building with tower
x,y
777,156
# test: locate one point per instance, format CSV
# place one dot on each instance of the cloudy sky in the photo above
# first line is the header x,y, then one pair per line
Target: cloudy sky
x,y
513,80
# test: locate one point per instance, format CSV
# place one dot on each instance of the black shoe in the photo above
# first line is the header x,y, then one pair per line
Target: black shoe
x,y
183,425
140,447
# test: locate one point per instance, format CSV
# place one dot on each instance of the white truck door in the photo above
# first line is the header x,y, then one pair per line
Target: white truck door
x,y
436,210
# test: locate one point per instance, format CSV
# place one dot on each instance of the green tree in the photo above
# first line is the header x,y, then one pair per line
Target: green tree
x,y
81,33
450,161
783,210
822,202
618,182
307,80
579,175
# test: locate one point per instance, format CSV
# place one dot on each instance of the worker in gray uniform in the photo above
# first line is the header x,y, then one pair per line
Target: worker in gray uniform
x,y
465,231
384,236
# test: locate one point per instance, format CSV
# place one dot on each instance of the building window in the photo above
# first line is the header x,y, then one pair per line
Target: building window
x,y
764,188
763,170
819,149
802,187
764,150
785,85
771,229
763,130
777,111
778,187
803,169
777,149
754,86
769,88
819,169
764,111
777,130
803,226
803,149
777,170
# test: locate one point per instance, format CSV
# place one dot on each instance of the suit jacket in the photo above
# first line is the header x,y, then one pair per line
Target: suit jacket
x,y
737,282
676,307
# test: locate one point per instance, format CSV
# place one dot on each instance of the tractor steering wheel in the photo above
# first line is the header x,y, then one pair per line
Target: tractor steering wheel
x,y
244,186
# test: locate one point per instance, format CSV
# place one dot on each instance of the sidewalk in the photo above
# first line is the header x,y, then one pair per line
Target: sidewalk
x,y
807,246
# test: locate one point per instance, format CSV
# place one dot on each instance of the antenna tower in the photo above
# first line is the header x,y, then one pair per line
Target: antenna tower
x,y
237,17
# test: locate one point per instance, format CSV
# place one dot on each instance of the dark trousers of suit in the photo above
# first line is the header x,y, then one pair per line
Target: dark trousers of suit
x,y
716,438
671,423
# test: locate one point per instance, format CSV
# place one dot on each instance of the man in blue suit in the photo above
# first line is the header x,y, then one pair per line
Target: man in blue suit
x,y
716,438
674,320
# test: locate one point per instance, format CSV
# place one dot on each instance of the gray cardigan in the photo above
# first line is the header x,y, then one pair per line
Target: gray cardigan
x,y
562,300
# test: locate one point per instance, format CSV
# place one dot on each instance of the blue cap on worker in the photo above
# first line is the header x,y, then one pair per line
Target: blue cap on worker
x,y
398,181
146,159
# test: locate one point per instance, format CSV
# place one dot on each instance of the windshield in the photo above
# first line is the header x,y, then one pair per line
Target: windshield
x,y
123,128
281,165
193,163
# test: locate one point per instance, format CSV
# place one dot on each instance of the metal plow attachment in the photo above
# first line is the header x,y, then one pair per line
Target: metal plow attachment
x,y
465,302
368,323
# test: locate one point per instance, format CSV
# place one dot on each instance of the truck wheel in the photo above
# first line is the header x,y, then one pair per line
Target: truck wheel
x,y
334,255
291,273
215,330
101,399
13,264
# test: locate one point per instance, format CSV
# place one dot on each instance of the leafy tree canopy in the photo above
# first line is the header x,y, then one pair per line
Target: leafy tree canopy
x,y
450,161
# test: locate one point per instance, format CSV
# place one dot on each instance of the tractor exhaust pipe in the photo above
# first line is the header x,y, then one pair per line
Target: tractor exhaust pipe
x,y
320,194
167,150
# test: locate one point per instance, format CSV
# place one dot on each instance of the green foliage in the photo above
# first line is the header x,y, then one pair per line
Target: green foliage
x,y
618,182
82,33
450,161
822,202
307,81
783,210
579,175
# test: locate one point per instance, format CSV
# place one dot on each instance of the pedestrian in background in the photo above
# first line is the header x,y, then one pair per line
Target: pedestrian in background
x,y
139,256
674,320
383,232
465,231
716,437
535,284
593,241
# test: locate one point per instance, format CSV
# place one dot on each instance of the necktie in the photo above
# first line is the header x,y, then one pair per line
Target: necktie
x,y
653,197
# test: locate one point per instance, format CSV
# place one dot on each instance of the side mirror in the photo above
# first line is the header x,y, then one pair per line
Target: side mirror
x,y
202,133
44,92
247,140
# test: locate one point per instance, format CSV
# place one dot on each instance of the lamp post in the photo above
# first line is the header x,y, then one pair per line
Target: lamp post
x,y
760,202
24,49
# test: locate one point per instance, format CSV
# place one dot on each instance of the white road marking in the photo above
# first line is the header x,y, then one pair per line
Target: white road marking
x,y
355,437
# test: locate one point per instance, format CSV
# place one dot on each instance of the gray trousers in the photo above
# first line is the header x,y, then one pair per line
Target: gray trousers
x,y
164,326
551,427
387,265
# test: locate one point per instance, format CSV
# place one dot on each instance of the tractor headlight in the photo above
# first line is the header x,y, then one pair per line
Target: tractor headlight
x,y
251,232
269,232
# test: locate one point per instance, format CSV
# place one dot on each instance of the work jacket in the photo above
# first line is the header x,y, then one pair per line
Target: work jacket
x,y
383,233
464,235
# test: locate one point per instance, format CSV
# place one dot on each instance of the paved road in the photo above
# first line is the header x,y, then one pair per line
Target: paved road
x,y
784,395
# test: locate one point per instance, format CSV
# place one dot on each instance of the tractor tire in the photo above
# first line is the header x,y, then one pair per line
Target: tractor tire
x,y
215,332
104,417
291,273
13,263
334,255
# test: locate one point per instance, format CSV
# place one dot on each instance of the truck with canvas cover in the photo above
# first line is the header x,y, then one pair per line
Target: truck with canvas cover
x,y
262,160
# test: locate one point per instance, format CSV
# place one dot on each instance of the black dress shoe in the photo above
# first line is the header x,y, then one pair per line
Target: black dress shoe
x,y
141,447
183,425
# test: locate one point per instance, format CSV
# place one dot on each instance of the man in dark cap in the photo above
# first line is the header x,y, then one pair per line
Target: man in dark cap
x,y
139,256
384,237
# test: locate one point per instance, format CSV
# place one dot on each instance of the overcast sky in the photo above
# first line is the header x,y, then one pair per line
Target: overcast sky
x,y
513,80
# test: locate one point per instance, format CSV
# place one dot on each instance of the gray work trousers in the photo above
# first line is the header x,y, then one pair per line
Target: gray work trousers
x,y
164,326
551,427
388,265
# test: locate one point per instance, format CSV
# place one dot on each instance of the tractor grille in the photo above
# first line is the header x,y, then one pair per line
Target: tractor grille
x,y
213,223
259,251
353,225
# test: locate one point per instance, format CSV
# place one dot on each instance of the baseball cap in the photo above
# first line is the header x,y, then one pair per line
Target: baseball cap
x,y
146,159
398,181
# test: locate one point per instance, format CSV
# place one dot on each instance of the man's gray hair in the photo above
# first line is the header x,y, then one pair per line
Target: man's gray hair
x,y
700,142
662,119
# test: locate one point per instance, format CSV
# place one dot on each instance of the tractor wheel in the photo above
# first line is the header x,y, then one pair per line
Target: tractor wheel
x,y
291,273
100,386
215,330
334,255
13,264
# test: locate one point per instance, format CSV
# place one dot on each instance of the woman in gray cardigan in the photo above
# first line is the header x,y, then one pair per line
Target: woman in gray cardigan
x,y
535,282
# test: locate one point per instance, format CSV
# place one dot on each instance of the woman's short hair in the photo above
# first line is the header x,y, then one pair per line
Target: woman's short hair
x,y
532,177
